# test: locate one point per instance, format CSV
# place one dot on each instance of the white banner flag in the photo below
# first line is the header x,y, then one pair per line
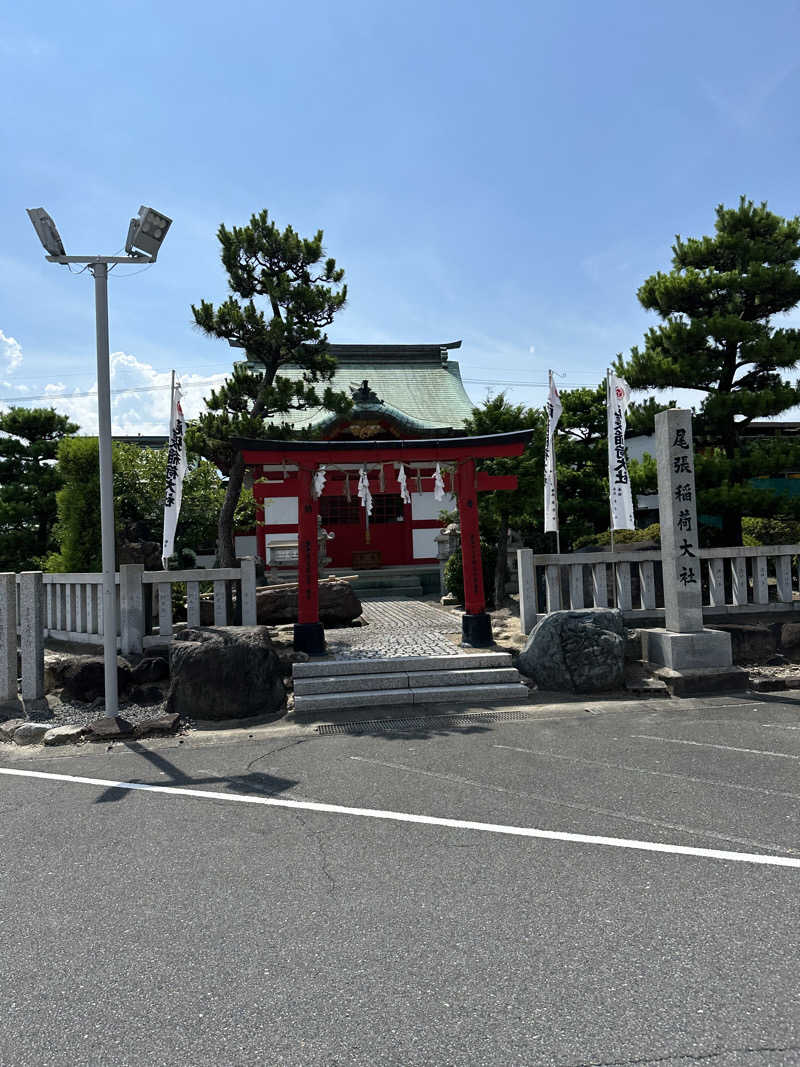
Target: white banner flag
x,y
176,469
554,409
619,483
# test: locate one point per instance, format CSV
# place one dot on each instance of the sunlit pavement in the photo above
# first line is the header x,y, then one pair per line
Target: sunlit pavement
x,y
186,926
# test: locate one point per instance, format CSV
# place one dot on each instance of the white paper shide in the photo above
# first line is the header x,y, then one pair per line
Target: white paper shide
x,y
176,469
619,483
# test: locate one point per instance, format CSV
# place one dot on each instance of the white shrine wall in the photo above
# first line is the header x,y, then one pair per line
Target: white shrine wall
x,y
426,506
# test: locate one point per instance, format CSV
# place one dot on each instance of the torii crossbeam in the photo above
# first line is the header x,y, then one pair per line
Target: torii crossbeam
x,y
299,461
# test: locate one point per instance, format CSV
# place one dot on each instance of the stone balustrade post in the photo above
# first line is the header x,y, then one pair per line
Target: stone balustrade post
x,y
248,592
8,641
131,608
31,605
527,590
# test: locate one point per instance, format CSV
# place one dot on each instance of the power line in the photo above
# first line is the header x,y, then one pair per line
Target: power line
x,y
186,386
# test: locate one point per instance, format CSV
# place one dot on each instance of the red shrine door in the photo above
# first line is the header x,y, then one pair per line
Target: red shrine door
x,y
388,533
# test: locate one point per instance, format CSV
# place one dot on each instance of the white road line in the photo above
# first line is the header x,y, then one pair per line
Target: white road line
x,y
424,820
604,764
457,779
707,744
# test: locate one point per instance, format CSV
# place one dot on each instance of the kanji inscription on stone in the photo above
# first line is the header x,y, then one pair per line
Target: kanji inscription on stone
x,y
680,547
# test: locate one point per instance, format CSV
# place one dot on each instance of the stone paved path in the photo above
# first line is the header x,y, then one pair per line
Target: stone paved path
x,y
397,627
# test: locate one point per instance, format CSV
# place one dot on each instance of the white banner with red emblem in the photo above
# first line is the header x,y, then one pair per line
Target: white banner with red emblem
x,y
619,483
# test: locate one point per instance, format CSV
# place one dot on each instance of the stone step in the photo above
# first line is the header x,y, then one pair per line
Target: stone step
x,y
474,695
370,592
323,668
400,680
385,581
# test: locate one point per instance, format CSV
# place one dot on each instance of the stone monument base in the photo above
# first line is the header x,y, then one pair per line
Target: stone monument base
x,y
693,664
703,681
687,652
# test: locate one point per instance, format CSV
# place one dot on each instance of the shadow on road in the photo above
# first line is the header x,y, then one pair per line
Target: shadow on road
x,y
254,783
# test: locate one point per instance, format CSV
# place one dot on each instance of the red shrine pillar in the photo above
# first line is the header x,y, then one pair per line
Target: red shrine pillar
x,y
309,635
476,625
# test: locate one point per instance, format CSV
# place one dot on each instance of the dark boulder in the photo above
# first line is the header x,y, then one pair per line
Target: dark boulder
x,y
84,678
338,603
145,694
225,672
577,651
150,669
751,642
109,728
160,724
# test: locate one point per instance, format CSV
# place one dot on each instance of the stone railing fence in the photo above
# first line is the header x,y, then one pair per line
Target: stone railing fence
x,y
733,580
69,607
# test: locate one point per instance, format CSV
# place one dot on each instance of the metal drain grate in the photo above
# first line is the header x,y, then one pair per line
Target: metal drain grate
x,y
420,722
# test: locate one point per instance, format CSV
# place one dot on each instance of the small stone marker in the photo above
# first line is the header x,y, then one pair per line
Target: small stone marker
x,y
683,602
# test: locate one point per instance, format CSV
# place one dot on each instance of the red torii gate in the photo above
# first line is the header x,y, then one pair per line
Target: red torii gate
x,y
300,460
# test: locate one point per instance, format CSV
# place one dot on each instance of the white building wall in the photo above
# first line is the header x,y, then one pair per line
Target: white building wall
x,y
425,505
280,511
424,543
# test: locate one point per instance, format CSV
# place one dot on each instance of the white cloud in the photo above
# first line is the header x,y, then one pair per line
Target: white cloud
x,y
139,398
10,351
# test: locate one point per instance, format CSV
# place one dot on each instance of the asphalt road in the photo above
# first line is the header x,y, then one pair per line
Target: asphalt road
x,y
147,928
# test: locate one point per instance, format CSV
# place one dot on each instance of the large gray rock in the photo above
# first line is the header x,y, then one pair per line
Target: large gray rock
x,y
338,603
56,664
577,651
225,672
64,735
8,729
31,733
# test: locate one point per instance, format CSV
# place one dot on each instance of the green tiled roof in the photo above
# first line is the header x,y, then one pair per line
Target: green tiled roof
x,y
428,391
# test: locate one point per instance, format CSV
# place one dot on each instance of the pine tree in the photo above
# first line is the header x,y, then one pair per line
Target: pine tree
x,y
718,336
29,480
302,292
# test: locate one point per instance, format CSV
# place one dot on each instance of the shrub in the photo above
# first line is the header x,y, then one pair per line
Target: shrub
x,y
621,537
454,573
770,532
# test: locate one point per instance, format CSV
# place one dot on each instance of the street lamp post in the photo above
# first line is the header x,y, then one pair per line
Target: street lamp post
x,y
145,235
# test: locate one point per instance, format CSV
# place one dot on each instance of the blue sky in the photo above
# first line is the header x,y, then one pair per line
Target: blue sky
x,y
504,173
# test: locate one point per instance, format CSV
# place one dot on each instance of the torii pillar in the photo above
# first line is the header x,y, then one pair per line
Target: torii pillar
x,y
309,633
476,623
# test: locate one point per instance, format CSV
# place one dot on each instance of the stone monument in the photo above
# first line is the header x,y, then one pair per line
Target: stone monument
x,y
684,646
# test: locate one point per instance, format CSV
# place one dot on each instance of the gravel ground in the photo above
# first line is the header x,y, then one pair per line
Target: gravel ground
x,y
62,713
785,671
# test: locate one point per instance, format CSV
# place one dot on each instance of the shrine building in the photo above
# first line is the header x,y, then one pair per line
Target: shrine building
x,y
400,392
